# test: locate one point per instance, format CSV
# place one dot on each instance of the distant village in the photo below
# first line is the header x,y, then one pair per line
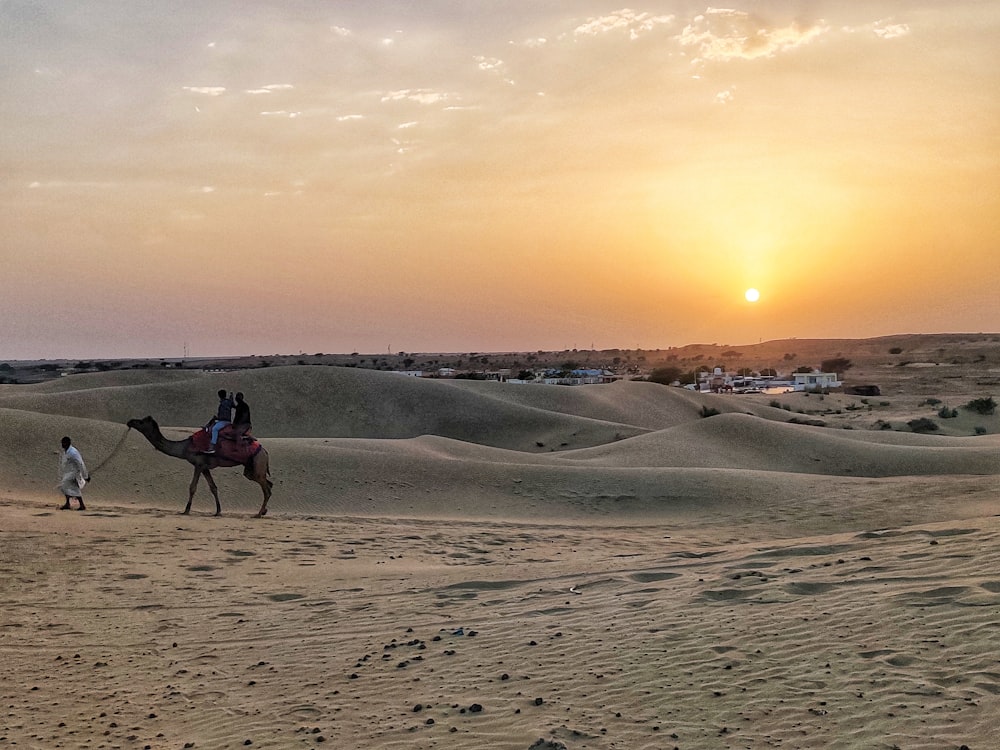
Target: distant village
x,y
716,380
538,368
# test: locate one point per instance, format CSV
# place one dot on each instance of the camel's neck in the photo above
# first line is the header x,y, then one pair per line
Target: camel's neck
x,y
175,448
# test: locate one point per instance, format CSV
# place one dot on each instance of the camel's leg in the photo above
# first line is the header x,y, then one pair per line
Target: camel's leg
x,y
191,489
215,491
266,487
260,468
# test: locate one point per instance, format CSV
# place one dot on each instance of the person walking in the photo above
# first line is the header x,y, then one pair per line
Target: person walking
x,y
73,474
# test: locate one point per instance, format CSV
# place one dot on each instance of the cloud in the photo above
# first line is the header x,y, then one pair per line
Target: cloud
x,y
281,113
724,97
625,20
722,34
885,30
341,31
72,185
420,96
206,90
493,65
271,88
346,118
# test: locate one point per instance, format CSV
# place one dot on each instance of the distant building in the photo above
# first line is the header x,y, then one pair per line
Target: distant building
x,y
815,380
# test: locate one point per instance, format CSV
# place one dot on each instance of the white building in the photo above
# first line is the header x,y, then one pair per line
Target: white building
x,y
815,380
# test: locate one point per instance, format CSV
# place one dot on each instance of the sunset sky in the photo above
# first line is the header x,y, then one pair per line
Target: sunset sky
x,y
252,177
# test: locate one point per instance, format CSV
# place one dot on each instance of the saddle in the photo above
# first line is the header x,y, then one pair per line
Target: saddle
x,y
235,442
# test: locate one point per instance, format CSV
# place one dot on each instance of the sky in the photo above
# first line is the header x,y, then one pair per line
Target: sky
x,y
212,178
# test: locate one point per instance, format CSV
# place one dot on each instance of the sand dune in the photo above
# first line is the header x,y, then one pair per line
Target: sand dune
x,y
468,565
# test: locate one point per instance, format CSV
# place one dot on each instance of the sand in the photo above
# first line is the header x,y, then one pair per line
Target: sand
x,y
472,565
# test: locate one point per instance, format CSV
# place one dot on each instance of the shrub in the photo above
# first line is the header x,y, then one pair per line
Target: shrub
x,y
980,430
984,406
946,413
923,424
931,402
775,403
709,412
895,350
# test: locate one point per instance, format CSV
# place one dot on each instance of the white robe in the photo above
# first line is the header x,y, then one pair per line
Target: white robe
x,y
73,473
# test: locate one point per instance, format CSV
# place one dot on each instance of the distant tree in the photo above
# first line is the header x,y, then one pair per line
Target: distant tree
x,y
526,375
570,365
769,372
6,367
803,368
789,356
408,362
665,375
836,364
745,372
730,353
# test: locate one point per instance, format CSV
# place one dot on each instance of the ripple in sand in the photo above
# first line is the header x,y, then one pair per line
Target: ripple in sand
x,y
651,577
284,597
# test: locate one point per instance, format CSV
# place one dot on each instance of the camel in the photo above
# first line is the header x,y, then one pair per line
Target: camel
x,y
256,469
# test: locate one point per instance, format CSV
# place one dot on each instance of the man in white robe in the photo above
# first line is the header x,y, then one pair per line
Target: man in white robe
x,y
73,474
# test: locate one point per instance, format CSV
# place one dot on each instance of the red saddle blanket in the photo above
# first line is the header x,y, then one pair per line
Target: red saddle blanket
x,y
230,446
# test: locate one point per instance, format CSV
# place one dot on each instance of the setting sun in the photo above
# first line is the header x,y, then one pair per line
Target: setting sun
x,y
752,295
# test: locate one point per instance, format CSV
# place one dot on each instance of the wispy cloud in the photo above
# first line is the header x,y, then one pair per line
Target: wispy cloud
x,y
420,96
722,34
206,90
495,66
271,88
887,30
626,20
72,185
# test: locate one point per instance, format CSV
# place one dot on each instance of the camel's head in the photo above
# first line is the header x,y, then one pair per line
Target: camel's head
x,y
143,425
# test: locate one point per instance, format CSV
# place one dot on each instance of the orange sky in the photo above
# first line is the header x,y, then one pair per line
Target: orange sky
x,y
320,176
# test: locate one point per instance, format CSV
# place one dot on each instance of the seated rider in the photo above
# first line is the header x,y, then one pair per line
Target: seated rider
x,y
241,420
223,417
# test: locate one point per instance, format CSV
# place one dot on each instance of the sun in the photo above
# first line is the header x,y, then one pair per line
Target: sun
x,y
752,295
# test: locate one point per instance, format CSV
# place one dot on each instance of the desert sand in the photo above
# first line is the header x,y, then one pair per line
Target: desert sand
x,y
484,565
